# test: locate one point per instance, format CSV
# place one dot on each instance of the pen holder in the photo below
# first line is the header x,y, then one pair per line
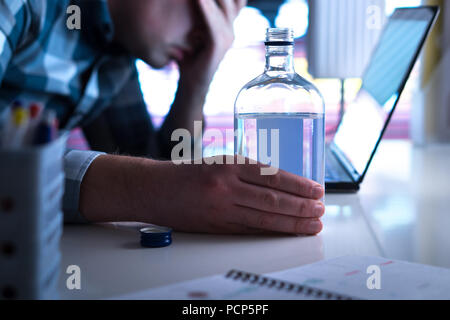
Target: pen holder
x,y
31,191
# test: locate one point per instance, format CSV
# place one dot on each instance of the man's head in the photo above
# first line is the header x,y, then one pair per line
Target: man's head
x,y
156,31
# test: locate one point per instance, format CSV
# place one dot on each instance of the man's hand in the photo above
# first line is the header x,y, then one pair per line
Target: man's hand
x,y
211,39
232,199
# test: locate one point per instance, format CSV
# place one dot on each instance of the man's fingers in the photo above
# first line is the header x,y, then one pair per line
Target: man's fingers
x,y
228,8
257,219
211,13
283,181
270,200
238,229
231,8
240,3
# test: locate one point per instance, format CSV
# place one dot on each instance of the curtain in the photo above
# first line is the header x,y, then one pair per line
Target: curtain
x,y
430,119
342,35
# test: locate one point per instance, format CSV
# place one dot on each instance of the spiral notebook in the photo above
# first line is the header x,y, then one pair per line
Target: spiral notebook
x,y
344,278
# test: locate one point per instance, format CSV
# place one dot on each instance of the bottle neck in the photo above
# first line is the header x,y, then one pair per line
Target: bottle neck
x,y
280,59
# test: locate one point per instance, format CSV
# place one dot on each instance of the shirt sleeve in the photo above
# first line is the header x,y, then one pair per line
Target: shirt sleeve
x,y
125,126
16,17
76,163
14,20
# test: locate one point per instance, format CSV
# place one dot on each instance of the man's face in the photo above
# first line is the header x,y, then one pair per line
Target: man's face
x,y
157,31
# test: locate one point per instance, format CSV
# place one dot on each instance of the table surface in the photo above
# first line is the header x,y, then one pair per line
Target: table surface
x,y
400,213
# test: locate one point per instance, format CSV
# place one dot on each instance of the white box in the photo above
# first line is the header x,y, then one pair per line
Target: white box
x,y
31,191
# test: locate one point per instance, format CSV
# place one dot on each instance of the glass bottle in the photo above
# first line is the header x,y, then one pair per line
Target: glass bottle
x,y
281,114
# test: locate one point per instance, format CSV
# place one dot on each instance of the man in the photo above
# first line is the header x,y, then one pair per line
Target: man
x,y
89,77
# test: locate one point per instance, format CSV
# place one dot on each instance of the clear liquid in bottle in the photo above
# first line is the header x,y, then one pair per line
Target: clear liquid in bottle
x,y
301,141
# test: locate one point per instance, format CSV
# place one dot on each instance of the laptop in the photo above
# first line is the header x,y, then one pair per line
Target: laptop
x,y
349,155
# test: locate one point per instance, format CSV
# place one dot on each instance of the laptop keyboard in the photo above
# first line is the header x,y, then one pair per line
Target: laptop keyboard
x,y
333,170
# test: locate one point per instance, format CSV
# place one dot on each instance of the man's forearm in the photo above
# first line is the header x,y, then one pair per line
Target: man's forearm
x,y
114,189
187,108
199,198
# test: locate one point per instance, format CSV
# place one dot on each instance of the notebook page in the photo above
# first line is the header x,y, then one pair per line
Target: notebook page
x,y
213,288
348,275
236,285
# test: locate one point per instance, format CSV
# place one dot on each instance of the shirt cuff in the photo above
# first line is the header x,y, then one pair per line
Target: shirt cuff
x,y
76,163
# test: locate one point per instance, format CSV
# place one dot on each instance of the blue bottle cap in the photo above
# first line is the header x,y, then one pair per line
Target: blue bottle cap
x,y
156,237
155,230
156,244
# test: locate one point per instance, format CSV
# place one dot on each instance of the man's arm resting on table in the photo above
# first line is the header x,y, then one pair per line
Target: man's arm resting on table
x,y
111,189
217,198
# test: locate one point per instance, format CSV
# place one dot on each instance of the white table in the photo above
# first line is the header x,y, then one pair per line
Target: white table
x,y
400,213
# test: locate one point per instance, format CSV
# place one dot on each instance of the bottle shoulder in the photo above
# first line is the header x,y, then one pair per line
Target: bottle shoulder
x,y
279,93
288,81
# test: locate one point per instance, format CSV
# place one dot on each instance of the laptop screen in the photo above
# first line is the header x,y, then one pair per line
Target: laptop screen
x,y
366,118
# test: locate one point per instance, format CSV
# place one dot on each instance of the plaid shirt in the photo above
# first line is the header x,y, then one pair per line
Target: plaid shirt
x,y
82,76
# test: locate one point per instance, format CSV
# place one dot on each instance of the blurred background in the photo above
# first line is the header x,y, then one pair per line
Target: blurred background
x,y
245,61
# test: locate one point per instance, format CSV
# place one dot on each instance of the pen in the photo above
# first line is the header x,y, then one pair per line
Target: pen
x,y
17,129
35,111
4,122
16,104
46,130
